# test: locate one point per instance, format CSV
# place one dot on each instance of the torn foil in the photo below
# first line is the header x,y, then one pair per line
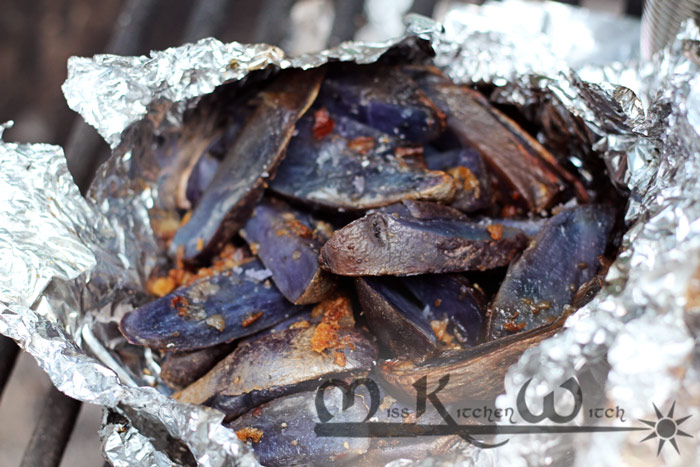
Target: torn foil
x,y
61,290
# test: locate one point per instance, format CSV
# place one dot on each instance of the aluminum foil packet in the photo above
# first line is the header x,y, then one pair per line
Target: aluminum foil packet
x,y
73,266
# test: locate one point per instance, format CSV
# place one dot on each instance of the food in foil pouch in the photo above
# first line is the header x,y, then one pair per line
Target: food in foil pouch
x,y
379,253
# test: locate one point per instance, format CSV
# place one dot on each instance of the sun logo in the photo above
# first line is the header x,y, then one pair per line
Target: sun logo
x,y
666,428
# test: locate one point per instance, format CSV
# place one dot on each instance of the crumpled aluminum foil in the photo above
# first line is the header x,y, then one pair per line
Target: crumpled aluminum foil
x,y
73,266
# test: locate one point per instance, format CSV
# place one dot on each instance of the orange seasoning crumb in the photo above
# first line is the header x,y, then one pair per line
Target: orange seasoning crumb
x,y
440,329
186,218
334,310
318,310
496,231
325,337
323,123
299,228
361,144
180,304
160,286
408,151
179,255
303,324
257,412
251,318
337,313
438,302
254,247
465,177
200,243
229,258
512,327
164,224
339,358
249,434
178,275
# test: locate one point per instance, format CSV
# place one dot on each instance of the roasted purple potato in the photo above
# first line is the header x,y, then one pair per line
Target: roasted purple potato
x,y
404,227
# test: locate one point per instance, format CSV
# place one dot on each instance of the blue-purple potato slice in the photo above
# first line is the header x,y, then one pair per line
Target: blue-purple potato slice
x,y
472,181
384,98
396,318
252,159
189,158
202,174
275,365
452,306
544,280
180,369
288,242
395,244
174,178
282,431
515,157
418,315
475,373
353,168
211,311
302,320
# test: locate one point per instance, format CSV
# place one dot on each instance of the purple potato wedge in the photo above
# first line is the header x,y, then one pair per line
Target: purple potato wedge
x,y
475,373
211,311
275,365
384,98
252,159
302,320
207,133
180,369
515,157
205,168
407,314
184,154
353,168
452,298
201,176
287,428
395,244
562,257
395,318
472,181
288,242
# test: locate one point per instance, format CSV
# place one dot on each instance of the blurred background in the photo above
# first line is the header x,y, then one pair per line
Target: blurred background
x,y
36,39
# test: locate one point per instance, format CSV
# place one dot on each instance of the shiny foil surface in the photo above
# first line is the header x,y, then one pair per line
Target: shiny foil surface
x,y
73,266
